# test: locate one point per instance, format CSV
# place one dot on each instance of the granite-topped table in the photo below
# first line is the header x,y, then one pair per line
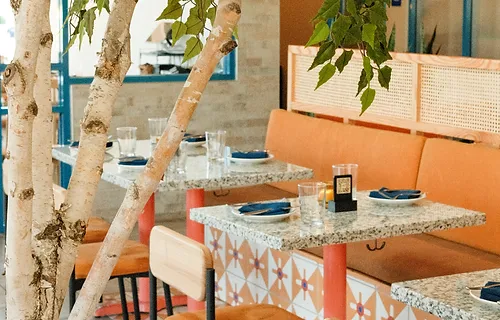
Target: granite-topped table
x,y
447,296
371,221
200,175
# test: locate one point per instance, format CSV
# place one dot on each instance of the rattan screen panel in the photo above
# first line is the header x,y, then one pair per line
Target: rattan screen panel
x,y
461,97
340,91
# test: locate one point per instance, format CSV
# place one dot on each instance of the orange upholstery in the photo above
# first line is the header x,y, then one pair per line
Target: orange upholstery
x,y
385,158
133,259
466,176
415,257
245,312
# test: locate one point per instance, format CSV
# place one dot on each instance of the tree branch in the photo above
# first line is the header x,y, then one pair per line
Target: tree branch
x,y
218,45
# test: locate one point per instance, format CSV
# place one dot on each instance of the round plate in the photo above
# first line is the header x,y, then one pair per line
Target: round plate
x,y
398,202
195,144
261,218
129,167
251,161
476,294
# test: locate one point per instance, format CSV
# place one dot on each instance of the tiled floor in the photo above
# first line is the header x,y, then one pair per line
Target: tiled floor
x,y
111,289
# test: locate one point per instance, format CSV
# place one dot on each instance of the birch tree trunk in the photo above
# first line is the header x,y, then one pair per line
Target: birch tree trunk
x,y
46,221
19,77
218,45
113,64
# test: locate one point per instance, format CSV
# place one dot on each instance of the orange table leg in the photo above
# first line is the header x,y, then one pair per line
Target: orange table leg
x,y
195,198
334,281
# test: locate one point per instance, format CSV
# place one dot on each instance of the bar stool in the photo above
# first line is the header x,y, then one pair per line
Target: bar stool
x,y
187,265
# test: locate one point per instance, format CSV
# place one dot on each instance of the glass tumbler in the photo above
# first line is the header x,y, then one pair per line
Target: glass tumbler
x,y
344,169
156,128
216,143
312,197
127,139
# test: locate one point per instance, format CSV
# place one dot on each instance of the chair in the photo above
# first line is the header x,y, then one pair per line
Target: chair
x,y
187,265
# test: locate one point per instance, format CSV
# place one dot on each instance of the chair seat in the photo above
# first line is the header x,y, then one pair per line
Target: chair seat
x,y
246,312
415,257
246,194
134,259
97,229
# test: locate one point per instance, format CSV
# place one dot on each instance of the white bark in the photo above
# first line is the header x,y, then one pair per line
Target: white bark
x,y
112,66
46,221
218,45
19,79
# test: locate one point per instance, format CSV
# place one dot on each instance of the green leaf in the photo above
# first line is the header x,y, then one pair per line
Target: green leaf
x,y
70,43
90,17
368,34
81,28
384,76
353,35
172,11
320,34
325,53
178,30
211,13
391,46
235,32
328,10
325,74
367,67
351,7
362,83
343,60
340,27
193,48
102,4
196,21
367,99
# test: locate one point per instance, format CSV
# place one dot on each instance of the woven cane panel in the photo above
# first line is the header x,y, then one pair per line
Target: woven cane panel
x,y
340,91
460,97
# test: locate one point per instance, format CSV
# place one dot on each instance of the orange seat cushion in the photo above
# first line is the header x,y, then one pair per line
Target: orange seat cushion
x,y
415,257
245,312
247,194
133,259
97,228
466,176
385,158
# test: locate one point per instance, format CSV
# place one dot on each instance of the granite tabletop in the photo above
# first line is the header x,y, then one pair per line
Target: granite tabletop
x,y
447,297
371,221
199,172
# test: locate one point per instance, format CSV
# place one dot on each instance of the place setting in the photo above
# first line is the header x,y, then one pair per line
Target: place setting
x,y
266,212
488,294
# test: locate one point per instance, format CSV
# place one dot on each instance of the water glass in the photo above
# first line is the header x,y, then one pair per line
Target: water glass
x,y
216,143
312,197
127,139
156,128
345,169
181,156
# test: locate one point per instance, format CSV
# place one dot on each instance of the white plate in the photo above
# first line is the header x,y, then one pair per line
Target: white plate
x,y
195,144
251,161
130,168
398,202
476,294
260,218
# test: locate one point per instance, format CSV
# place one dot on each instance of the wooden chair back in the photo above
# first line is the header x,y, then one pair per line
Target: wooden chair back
x,y
179,261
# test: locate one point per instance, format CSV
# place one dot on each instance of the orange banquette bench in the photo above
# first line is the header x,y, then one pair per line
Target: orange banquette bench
x,y
450,172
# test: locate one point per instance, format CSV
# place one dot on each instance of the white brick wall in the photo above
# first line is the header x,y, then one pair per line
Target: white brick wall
x,y
241,107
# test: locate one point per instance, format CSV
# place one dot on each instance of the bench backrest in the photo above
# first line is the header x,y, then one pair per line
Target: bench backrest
x,y
466,176
385,158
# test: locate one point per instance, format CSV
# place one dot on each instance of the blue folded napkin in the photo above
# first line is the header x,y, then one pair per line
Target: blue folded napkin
x,y
275,208
250,155
385,193
491,294
133,162
76,144
195,138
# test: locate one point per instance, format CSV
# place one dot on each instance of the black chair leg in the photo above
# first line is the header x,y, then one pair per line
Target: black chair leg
x,y
153,308
123,298
168,299
135,297
72,291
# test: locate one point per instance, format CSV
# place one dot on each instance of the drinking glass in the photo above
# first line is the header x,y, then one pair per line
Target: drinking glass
x,y
344,169
127,139
216,143
156,128
312,197
181,158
